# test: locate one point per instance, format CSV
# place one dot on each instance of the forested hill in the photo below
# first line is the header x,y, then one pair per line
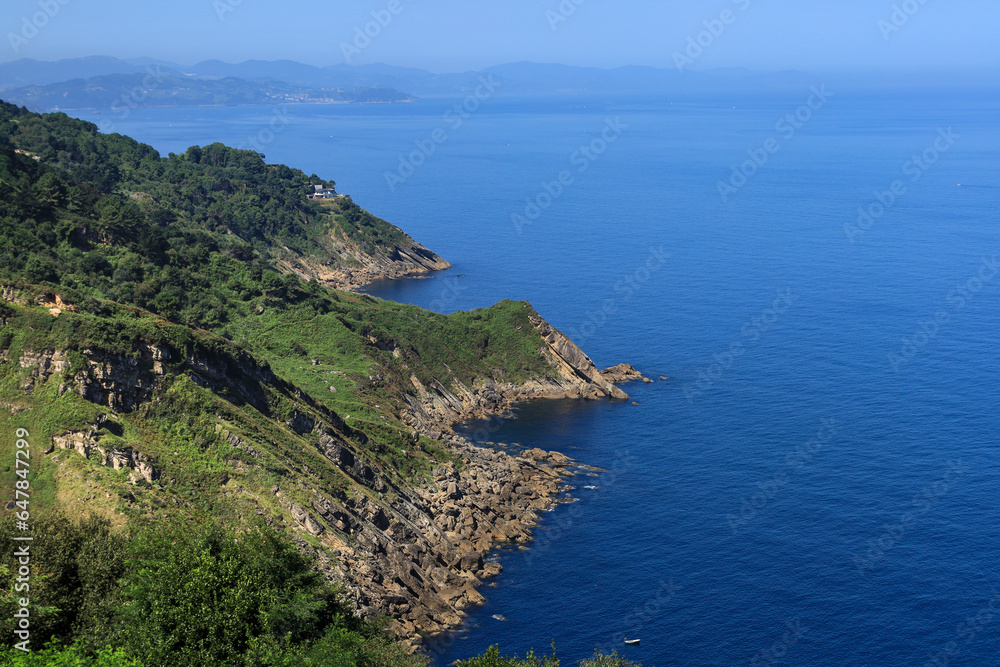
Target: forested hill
x,y
180,378
113,189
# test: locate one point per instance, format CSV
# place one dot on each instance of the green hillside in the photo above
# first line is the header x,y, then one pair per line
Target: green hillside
x,y
185,396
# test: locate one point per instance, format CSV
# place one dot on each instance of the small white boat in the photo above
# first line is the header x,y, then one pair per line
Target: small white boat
x,y
632,642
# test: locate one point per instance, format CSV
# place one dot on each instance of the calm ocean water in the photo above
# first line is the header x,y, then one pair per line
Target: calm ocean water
x,y
818,482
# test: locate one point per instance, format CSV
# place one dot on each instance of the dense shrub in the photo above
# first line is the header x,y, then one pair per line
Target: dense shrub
x,y
183,596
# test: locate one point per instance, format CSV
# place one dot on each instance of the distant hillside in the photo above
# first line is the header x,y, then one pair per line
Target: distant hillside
x,y
30,72
158,89
525,78
519,78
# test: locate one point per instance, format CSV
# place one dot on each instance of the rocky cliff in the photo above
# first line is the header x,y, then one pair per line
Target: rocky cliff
x,y
414,551
572,374
348,265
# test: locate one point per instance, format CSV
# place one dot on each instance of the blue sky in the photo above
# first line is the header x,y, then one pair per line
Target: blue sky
x,y
456,35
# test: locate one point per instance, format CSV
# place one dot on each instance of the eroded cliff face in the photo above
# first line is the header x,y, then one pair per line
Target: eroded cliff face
x,y
421,557
348,266
433,409
414,551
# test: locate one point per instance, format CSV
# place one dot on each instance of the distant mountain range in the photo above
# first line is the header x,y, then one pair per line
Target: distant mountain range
x,y
158,89
97,82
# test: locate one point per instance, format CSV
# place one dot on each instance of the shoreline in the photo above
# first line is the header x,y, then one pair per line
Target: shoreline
x,y
494,498
102,110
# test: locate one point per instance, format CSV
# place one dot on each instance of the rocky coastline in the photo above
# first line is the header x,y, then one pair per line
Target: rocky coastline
x,y
414,552
349,267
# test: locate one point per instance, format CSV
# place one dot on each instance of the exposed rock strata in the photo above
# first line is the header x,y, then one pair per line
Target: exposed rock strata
x,y
621,373
85,443
420,559
433,409
415,554
350,267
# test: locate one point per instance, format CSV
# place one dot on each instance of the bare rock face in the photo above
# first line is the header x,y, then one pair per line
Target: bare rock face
x,y
621,373
433,408
85,443
404,259
123,383
420,558
415,554
8,293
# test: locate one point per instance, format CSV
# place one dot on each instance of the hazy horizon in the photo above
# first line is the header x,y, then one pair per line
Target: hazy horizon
x,y
238,61
847,36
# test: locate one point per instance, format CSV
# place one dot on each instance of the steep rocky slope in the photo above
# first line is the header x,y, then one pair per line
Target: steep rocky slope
x,y
413,548
170,338
571,374
347,264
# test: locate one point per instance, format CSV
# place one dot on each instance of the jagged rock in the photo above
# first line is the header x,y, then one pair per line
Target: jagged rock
x,y
406,258
300,423
416,553
434,407
84,443
621,373
312,525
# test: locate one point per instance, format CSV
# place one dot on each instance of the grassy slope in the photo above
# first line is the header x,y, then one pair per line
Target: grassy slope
x,y
188,263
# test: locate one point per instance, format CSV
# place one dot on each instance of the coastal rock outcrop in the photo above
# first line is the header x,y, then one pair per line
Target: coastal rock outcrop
x,y
621,373
420,559
434,408
350,266
413,551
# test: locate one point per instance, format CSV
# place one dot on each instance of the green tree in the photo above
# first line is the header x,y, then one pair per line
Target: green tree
x,y
205,597
77,655
75,568
604,660
492,658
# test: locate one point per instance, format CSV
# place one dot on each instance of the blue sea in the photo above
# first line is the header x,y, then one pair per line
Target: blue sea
x,y
815,272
